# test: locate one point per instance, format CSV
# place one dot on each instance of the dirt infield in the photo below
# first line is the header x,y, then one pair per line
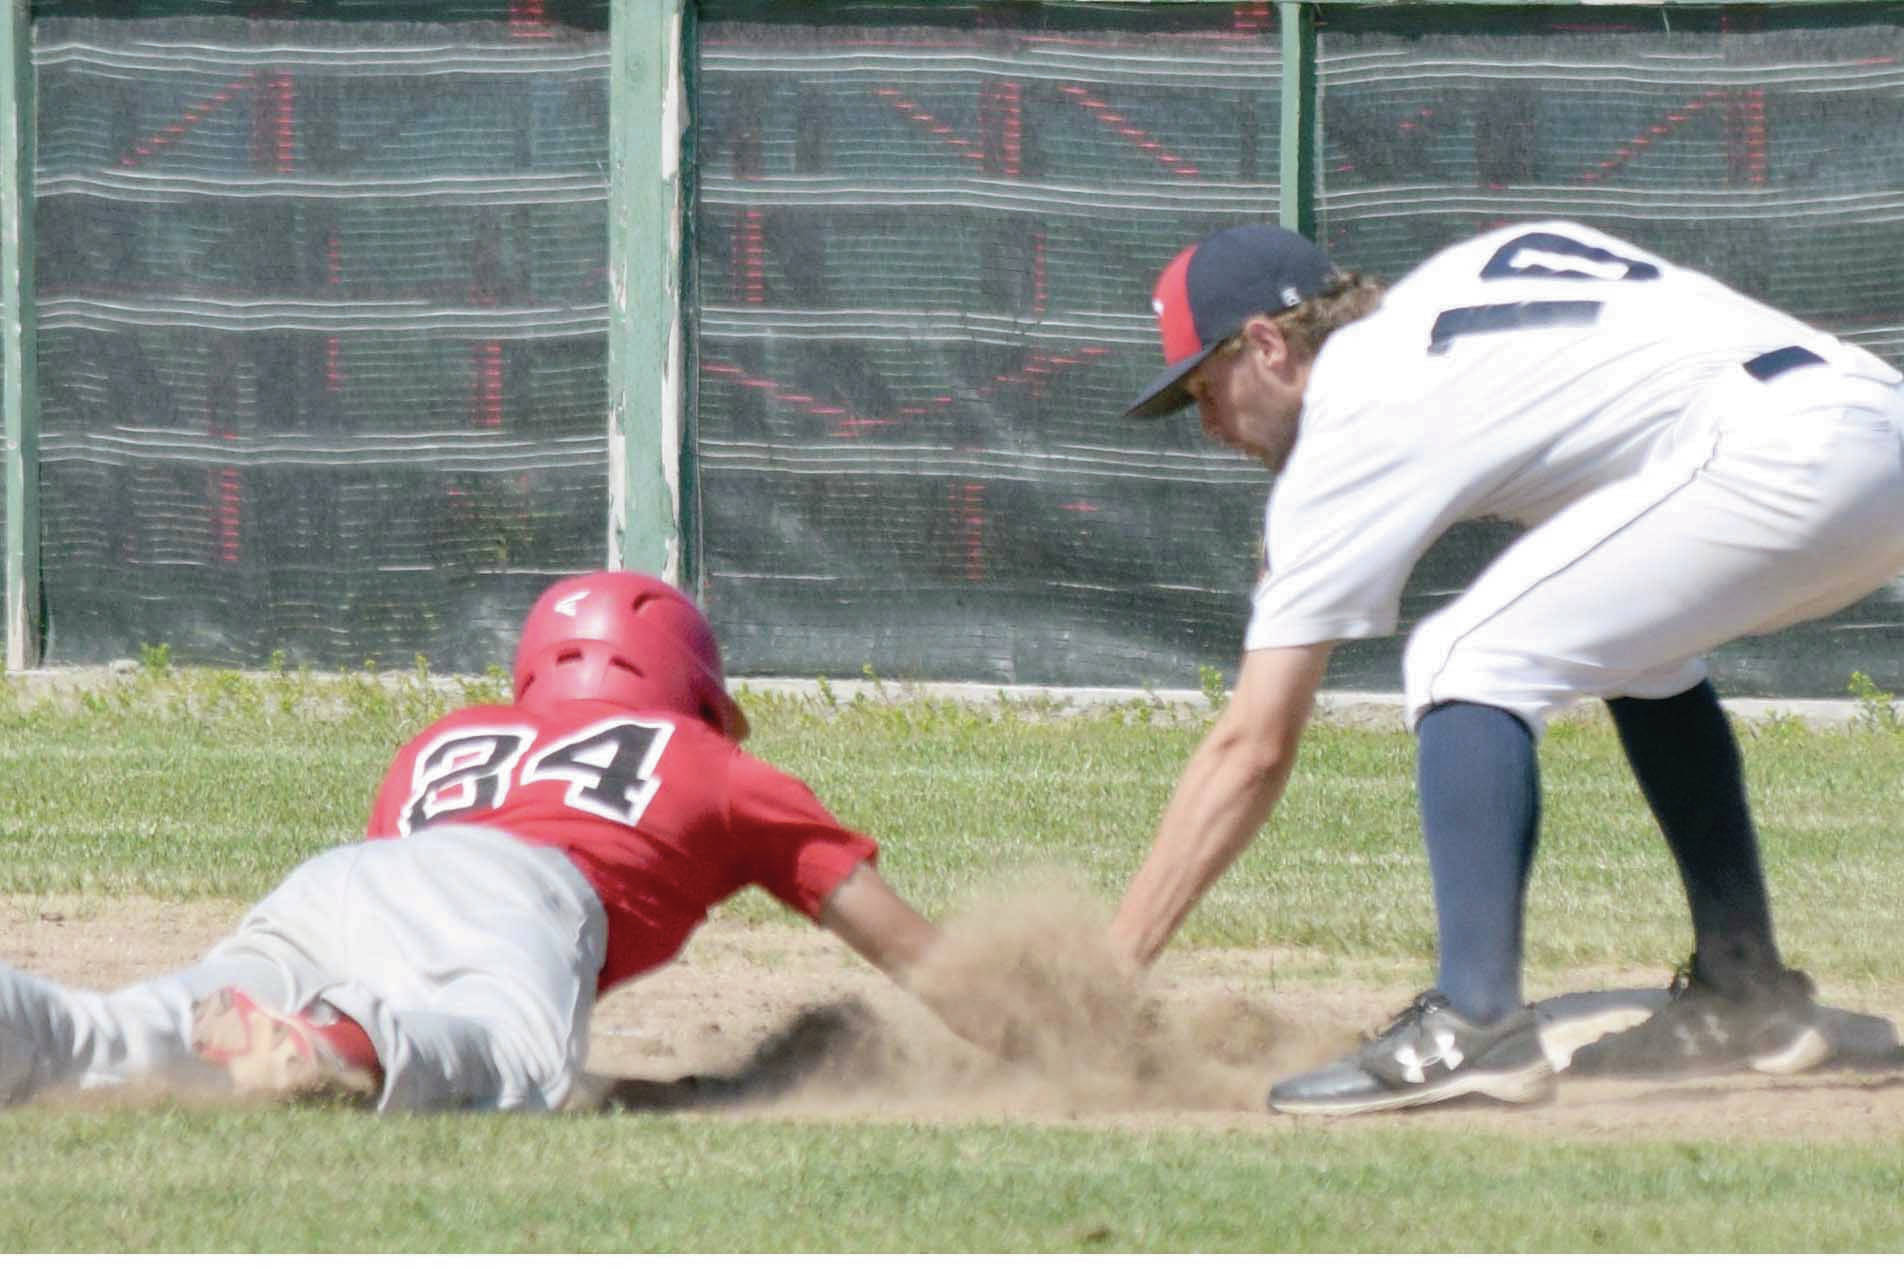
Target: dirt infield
x,y
781,1020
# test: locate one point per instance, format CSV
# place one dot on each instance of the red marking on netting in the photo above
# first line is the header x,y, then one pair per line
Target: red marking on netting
x,y
230,502
1035,375
1039,288
1152,45
194,114
1083,507
1746,118
223,501
1669,123
529,21
968,513
1249,19
489,384
283,100
925,119
333,346
1102,112
1417,122
1014,132
753,258
1001,119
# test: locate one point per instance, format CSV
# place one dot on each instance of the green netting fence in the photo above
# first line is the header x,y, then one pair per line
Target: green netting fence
x,y
343,327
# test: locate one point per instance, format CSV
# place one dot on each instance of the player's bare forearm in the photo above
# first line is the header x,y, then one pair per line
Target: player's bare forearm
x,y
1226,793
870,917
1222,800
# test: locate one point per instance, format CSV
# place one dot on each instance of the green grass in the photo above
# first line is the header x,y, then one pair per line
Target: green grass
x,y
192,784
304,1180
180,784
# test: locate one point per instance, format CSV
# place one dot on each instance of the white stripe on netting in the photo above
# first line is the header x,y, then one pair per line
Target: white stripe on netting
x,y
1837,212
1150,197
1160,198
1182,66
871,458
151,310
915,325
143,185
435,451
1825,77
356,60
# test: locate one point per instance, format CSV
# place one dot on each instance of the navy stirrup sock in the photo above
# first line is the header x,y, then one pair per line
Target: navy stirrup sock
x,y
1479,783
1683,751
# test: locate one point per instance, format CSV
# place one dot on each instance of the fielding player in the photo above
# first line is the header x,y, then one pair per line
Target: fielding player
x,y
1692,466
524,859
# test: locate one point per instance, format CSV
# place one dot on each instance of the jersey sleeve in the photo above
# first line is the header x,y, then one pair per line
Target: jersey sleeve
x,y
791,845
1351,514
387,807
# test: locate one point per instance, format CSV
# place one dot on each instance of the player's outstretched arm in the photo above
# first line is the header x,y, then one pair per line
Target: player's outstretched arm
x,y
870,917
1225,794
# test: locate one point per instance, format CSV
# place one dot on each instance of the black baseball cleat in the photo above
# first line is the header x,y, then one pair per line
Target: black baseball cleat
x,y
1427,1053
1771,1025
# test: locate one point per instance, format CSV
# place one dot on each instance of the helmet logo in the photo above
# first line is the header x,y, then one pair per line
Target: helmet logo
x,y
569,603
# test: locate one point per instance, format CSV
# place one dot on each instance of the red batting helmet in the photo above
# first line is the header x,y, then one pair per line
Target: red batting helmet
x,y
626,638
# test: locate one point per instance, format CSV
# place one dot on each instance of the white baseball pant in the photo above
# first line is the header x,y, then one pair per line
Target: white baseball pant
x,y
469,957
1772,503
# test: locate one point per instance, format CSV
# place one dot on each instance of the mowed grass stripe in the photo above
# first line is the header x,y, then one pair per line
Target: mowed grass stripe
x,y
208,784
316,1181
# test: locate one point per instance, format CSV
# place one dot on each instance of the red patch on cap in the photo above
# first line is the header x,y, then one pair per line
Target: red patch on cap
x,y
1171,302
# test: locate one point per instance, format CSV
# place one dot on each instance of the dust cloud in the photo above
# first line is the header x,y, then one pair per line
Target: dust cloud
x,y
1021,1008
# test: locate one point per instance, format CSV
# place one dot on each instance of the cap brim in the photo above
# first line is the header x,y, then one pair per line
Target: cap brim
x,y
1166,394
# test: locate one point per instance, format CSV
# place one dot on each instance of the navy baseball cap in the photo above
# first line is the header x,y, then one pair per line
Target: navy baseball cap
x,y
1206,294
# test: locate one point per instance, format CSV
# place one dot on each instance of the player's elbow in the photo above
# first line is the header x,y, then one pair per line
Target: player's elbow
x,y
1252,754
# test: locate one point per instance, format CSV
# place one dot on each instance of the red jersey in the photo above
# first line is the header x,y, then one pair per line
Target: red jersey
x,y
664,815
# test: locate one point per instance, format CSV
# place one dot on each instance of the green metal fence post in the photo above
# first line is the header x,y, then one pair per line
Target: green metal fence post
x,y
645,363
18,399
1301,116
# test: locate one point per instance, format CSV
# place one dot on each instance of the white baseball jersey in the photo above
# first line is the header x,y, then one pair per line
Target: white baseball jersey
x,y
1529,373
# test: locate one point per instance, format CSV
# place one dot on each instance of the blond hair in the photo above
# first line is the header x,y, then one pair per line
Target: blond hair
x,y
1348,297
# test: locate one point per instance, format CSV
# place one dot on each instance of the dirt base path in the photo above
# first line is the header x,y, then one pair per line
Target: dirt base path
x,y
780,1020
